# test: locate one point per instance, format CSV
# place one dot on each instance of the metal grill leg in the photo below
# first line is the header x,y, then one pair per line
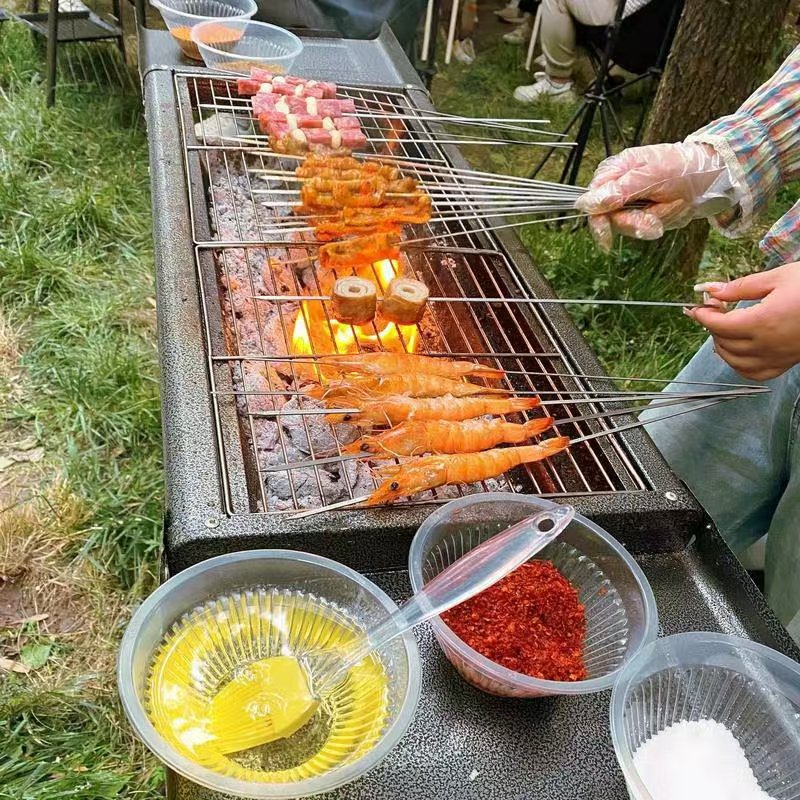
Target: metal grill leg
x,y
52,51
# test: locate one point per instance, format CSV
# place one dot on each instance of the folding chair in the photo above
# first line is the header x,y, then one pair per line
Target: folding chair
x,y
628,43
69,21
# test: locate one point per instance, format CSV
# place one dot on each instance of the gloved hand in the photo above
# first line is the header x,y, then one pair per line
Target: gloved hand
x,y
675,183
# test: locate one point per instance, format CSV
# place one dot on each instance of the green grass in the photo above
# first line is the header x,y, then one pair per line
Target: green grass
x,y
76,279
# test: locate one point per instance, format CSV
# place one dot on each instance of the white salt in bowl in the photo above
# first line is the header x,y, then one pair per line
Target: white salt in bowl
x,y
750,689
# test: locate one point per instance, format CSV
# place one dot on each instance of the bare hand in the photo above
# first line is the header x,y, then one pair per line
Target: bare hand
x,y
762,341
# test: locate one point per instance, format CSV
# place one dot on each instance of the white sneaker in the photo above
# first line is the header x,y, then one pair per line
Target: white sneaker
x,y
559,92
520,34
464,51
510,13
511,5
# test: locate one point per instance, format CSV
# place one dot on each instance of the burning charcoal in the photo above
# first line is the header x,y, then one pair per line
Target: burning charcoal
x,y
311,433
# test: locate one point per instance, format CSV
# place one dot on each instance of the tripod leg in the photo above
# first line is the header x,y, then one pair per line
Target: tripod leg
x,y
573,119
570,174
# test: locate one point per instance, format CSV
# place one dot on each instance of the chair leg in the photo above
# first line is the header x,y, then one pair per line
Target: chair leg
x,y
116,8
52,51
537,23
451,32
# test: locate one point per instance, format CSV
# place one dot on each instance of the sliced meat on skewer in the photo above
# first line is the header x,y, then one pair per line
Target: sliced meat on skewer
x,y
361,250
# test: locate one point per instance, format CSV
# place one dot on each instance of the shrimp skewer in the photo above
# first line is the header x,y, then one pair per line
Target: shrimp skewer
x,y
398,408
404,363
413,385
437,436
430,472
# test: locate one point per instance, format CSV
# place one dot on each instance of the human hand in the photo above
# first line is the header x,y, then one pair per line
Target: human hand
x,y
674,181
762,341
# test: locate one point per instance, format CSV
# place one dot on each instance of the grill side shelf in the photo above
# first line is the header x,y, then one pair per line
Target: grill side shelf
x,y
467,745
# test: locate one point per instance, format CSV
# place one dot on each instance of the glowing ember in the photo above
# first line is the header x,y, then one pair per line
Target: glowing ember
x,y
316,333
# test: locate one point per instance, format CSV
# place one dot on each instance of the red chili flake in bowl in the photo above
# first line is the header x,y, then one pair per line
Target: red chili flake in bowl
x,y
531,622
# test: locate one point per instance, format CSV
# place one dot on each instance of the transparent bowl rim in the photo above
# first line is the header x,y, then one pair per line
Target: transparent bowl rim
x,y
263,791
264,26
631,672
169,9
496,671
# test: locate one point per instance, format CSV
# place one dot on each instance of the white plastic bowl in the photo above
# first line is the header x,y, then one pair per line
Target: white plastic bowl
x,y
258,44
752,690
620,608
362,601
180,16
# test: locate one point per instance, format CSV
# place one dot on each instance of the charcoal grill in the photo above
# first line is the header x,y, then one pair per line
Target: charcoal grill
x,y
218,498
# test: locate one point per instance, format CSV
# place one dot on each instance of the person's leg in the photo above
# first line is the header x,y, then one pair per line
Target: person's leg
x,y
558,31
731,455
782,563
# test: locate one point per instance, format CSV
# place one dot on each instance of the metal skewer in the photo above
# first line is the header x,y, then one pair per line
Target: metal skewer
x,y
561,301
319,462
588,437
263,138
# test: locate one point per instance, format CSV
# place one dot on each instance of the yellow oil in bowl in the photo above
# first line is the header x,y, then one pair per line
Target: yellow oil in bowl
x,y
192,691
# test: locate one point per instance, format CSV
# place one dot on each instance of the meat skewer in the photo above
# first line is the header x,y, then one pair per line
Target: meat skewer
x,y
411,385
398,408
430,472
441,437
388,363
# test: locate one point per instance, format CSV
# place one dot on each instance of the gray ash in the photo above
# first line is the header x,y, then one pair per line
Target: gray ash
x,y
259,328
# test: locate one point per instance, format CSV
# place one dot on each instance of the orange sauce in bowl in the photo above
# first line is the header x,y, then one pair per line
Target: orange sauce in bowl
x,y
212,35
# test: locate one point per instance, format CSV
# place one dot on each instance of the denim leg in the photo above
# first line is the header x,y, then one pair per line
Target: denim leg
x,y
742,461
782,565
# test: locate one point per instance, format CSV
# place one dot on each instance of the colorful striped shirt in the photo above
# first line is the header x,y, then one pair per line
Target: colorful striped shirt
x,y
761,147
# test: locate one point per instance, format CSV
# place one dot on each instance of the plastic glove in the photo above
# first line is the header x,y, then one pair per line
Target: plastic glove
x,y
760,341
676,183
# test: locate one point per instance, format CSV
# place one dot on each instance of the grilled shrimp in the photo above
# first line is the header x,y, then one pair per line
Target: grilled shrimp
x,y
395,409
404,363
429,472
438,436
413,385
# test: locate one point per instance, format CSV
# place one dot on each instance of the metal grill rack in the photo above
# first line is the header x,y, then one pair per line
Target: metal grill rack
x,y
481,307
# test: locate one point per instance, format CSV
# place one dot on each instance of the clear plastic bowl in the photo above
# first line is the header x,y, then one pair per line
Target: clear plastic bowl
x,y
752,690
180,16
620,608
258,44
360,599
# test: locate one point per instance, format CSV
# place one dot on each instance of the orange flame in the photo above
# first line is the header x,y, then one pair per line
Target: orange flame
x,y
314,333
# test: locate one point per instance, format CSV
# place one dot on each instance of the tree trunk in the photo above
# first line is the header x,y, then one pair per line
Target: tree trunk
x,y
722,50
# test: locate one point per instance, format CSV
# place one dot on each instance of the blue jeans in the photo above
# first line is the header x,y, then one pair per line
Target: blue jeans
x,y
742,461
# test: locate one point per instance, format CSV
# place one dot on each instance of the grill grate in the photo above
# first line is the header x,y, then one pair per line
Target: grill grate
x,y
250,306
